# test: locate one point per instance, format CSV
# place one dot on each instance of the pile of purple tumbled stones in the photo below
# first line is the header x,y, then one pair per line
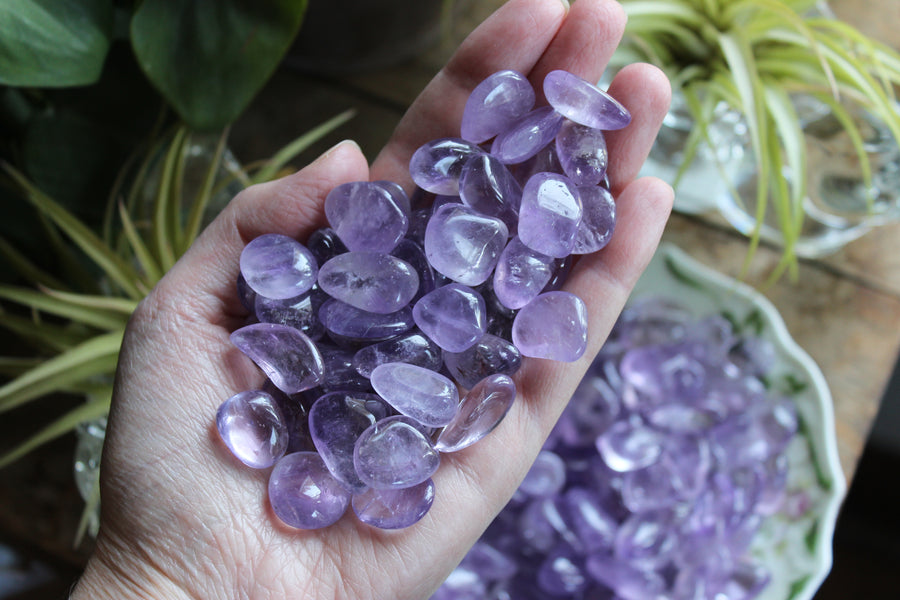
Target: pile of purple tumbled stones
x,y
657,477
389,337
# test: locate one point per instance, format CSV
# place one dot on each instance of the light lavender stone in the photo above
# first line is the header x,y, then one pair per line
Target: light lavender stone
x,y
426,396
463,244
394,454
583,102
629,445
394,508
397,193
494,104
553,325
527,136
598,219
562,573
370,281
366,216
336,421
436,166
595,528
521,274
550,214
491,355
413,348
487,186
352,325
303,493
545,161
286,355
253,427
480,411
647,540
453,316
546,477
276,266
582,153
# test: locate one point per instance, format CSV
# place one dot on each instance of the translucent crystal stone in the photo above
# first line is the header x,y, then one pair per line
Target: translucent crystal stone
x,y
394,454
630,583
304,494
488,562
370,281
647,540
550,214
463,244
394,508
426,396
521,274
480,411
336,421
300,313
276,266
453,316
366,216
413,348
598,220
562,573
553,325
595,528
486,185
414,254
252,426
546,477
527,136
582,153
351,324
494,104
629,445
583,102
295,418
340,374
325,244
397,193
545,161
490,355
594,407
436,166
286,355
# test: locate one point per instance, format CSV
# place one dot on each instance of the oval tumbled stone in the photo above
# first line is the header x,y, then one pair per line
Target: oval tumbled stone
x,y
419,393
480,412
553,325
279,267
253,427
495,104
286,355
463,244
583,102
367,216
394,509
370,281
454,316
304,494
550,213
394,454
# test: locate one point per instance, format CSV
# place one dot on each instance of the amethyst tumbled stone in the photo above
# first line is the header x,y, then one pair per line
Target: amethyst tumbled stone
x,y
553,325
426,396
489,356
367,216
394,508
276,266
394,454
527,136
413,348
583,102
480,411
521,274
436,166
598,219
304,494
495,104
348,324
550,214
487,186
463,244
582,153
370,281
286,355
453,316
253,427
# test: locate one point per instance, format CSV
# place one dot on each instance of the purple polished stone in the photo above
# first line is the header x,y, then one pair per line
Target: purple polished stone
x,y
595,528
582,153
647,540
546,477
487,186
540,525
414,254
370,281
418,221
419,393
629,445
295,418
583,102
594,407
394,508
562,573
495,104
489,356
397,193
276,266
350,324
630,583
253,427
394,454
461,584
366,216
550,214
300,313
325,244
521,274
527,136
488,562
340,374
336,421
598,219
545,161
413,348
561,269
463,244
436,166
245,293
453,316
480,411
304,494
553,325
286,355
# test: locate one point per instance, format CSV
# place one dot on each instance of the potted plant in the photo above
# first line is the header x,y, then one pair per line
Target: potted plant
x,y
761,89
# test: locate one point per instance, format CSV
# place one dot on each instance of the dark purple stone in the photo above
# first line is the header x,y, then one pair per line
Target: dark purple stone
x,y
286,355
340,374
436,166
527,136
370,281
490,355
394,508
253,427
303,493
325,244
413,348
495,104
245,293
414,254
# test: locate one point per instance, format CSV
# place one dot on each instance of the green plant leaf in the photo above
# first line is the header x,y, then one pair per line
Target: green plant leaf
x,y
94,357
76,307
64,424
143,255
24,267
208,58
53,43
45,336
165,205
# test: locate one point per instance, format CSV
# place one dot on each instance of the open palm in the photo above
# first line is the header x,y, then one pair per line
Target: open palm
x,y
180,520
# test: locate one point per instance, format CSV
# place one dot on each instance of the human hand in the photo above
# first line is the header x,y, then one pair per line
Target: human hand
x,y
180,520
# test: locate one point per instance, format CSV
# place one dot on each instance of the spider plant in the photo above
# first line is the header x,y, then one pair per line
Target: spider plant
x,y
76,322
756,56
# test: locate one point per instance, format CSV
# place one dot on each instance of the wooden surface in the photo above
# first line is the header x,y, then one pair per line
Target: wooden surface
x,y
844,310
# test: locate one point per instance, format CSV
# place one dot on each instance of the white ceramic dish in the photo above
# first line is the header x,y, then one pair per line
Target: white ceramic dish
x,y
795,544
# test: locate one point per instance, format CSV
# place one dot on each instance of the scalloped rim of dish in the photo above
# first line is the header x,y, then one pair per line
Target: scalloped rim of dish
x,y
659,273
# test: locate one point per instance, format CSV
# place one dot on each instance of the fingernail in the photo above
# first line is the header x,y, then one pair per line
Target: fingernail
x,y
337,147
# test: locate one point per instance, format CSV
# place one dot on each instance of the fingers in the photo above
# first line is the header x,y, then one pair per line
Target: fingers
x,y
290,206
